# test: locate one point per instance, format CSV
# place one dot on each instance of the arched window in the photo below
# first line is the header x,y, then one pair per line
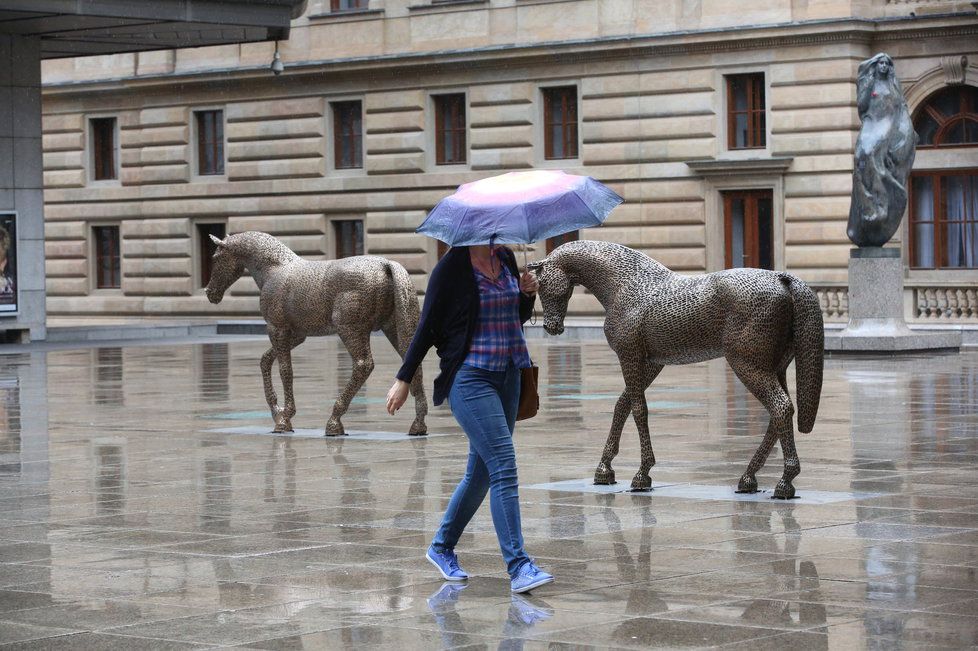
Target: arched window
x,y
949,117
944,203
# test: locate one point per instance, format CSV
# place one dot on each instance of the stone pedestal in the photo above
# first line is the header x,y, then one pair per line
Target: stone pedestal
x,y
876,323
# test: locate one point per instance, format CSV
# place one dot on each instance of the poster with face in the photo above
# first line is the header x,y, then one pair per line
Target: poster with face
x,y
8,263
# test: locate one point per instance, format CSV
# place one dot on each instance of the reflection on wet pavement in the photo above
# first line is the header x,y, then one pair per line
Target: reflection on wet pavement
x,y
131,518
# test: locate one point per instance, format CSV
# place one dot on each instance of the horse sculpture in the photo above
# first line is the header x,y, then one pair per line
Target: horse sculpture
x,y
351,297
758,320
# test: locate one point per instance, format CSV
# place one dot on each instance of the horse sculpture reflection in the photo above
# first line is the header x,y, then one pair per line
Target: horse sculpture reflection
x,y
758,320
351,297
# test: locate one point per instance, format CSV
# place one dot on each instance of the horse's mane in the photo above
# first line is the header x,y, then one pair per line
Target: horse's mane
x,y
573,254
262,248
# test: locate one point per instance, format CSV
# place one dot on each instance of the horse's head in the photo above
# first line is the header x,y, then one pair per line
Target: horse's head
x,y
555,291
227,268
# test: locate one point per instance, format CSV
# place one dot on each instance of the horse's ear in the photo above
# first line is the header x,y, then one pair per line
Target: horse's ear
x,y
536,267
220,243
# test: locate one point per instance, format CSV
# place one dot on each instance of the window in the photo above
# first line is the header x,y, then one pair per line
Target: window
x,y
944,203
554,242
108,271
746,121
347,135
207,248
103,149
944,220
948,118
560,122
347,5
450,129
349,237
210,142
748,225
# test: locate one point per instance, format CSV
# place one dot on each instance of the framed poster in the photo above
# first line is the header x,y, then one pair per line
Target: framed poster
x,y
8,263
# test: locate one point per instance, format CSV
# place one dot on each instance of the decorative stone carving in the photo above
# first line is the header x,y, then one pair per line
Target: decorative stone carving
x,y
884,154
834,302
955,69
759,320
958,304
351,297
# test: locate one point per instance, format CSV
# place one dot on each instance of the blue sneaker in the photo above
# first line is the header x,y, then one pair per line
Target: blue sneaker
x,y
529,577
447,564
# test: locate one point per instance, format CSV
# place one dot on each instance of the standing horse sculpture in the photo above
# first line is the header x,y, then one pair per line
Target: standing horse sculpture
x,y
758,320
351,297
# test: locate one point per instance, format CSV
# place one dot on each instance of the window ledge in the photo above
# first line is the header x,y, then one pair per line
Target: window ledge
x,y
348,15
447,5
713,166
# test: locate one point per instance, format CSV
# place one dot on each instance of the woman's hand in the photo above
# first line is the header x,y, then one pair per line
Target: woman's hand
x,y
396,396
529,283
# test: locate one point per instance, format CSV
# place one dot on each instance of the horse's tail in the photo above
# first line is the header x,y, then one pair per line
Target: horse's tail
x,y
406,308
808,332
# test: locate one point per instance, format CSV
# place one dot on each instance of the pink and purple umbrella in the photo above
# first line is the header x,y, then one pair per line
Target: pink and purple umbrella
x,y
519,208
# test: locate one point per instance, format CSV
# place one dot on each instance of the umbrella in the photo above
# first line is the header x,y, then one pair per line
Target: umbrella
x,y
519,208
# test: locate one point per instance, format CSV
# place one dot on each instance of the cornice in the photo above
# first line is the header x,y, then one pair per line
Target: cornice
x,y
711,41
718,167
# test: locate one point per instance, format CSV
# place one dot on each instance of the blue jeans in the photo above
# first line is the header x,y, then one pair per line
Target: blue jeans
x,y
484,403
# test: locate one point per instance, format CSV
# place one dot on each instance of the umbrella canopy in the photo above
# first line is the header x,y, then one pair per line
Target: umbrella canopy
x,y
519,208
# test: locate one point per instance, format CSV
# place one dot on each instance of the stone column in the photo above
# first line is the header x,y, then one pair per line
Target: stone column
x,y
21,179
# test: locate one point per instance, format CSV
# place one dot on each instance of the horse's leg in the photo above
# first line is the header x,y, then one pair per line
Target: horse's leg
x,y
357,343
266,376
418,427
792,466
605,474
283,342
638,374
766,385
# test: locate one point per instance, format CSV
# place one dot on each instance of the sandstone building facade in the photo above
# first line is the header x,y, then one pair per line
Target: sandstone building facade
x,y
727,126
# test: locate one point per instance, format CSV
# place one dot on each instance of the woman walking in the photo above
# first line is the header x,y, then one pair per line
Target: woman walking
x,y
473,313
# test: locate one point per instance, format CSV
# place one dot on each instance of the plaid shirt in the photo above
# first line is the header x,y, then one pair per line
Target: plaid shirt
x,y
498,334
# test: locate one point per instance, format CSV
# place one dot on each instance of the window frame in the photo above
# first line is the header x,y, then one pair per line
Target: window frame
x,y
335,138
751,110
92,158
334,7
459,99
939,212
198,174
335,239
550,243
95,258
546,139
200,246
751,223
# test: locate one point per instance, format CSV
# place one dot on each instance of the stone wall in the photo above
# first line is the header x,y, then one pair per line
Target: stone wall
x,y
647,109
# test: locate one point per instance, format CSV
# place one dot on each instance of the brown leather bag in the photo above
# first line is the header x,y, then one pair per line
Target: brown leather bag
x,y
529,398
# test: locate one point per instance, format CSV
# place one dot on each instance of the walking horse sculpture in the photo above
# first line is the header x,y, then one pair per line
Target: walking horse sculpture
x,y
758,320
350,297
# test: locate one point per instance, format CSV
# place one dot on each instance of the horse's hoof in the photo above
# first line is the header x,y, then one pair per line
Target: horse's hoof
x,y
641,482
283,427
418,430
604,476
748,484
784,491
334,428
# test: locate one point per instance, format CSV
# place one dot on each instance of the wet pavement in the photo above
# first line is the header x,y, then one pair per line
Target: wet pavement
x,y
143,504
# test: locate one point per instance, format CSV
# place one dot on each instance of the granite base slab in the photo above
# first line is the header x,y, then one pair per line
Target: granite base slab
x,y
702,492
317,433
914,342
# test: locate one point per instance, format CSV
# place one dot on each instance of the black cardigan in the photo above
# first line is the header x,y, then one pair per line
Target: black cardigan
x,y
450,316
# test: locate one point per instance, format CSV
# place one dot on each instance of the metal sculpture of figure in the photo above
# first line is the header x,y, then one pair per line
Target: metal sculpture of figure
x,y
758,320
885,151
350,297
